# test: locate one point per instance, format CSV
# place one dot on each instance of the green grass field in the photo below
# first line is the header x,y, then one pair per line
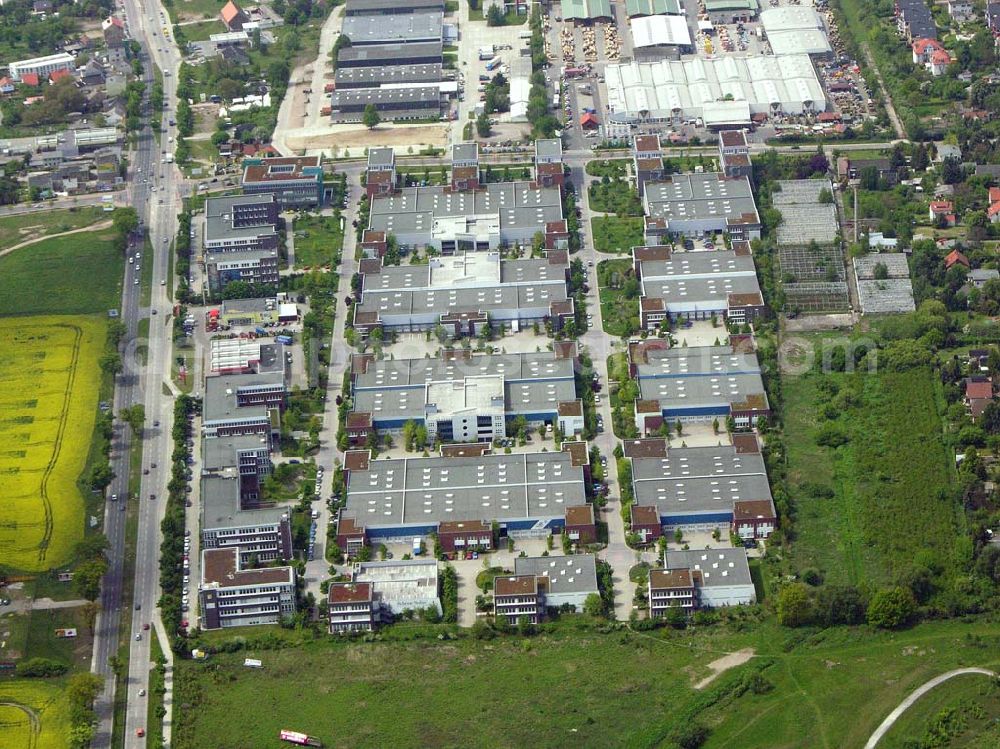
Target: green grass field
x,y
73,275
574,688
962,712
34,714
28,226
614,234
317,238
865,509
47,411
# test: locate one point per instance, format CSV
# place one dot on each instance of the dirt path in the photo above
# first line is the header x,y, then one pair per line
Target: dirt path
x,y
25,243
916,695
897,124
723,664
33,721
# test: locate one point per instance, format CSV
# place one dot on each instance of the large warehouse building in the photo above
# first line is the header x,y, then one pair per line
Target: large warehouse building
x,y
464,293
794,29
459,396
722,91
698,383
526,494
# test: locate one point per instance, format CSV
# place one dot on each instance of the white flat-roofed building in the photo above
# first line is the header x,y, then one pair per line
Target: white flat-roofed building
x,y
720,578
720,91
401,586
42,66
795,29
660,31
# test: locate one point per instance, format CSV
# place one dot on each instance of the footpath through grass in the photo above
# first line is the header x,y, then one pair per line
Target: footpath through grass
x,y
877,495
574,687
24,227
73,275
34,714
962,712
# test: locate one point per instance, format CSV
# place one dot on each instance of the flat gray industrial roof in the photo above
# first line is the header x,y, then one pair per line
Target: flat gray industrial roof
x,y
346,96
220,453
219,215
722,567
230,306
700,391
698,480
463,299
238,256
377,75
362,6
380,156
374,53
712,563
401,27
696,361
537,397
463,271
220,506
220,395
570,574
548,147
687,378
414,209
700,293
692,197
426,491
465,152
393,373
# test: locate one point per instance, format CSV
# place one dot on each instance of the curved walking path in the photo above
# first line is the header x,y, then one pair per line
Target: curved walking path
x,y
34,724
93,227
916,695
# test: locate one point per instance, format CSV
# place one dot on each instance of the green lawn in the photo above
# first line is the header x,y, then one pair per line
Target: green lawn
x,y
572,687
44,278
614,234
182,10
317,239
200,32
41,640
619,297
608,167
867,510
964,711
28,226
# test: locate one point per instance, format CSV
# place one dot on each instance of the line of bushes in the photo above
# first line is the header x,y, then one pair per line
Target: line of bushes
x,y
172,527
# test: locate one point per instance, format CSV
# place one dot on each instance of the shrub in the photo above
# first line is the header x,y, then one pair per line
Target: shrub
x,y
794,606
41,667
891,608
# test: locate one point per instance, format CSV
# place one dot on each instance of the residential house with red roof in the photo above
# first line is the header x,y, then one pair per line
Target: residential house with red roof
x,y
233,16
932,55
943,210
955,258
978,395
992,211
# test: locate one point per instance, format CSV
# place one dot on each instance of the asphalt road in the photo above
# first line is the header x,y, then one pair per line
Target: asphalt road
x,y
153,193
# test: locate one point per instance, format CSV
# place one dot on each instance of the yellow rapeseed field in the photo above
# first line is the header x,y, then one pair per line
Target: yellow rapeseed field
x,y
50,375
34,714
